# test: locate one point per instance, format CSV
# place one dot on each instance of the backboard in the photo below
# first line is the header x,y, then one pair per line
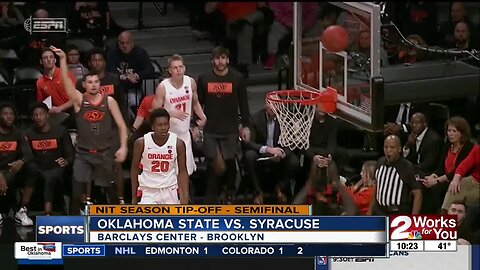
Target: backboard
x,y
355,72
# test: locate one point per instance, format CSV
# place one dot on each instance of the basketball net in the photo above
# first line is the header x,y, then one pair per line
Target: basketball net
x,y
295,110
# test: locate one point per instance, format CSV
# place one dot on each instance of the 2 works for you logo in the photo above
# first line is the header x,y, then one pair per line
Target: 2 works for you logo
x,y
423,227
43,25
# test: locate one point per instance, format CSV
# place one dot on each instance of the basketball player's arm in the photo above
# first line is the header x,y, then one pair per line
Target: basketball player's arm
x,y
121,154
196,106
134,170
159,99
182,178
73,94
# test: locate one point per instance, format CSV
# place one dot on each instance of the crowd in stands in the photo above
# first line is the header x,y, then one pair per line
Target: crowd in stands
x,y
422,170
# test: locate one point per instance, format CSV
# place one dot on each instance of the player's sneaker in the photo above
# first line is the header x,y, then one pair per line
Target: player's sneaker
x,y
82,209
22,218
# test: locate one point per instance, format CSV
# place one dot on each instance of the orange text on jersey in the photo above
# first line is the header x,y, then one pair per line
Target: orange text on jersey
x,y
179,99
160,156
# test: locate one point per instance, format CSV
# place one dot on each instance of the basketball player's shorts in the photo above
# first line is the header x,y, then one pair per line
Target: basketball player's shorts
x,y
92,166
167,195
228,145
187,139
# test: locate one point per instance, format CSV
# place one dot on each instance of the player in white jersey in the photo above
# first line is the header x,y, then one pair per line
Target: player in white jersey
x,y
159,168
178,95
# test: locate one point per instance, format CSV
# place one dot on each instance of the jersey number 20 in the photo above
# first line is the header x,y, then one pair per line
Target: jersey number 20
x,y
160,166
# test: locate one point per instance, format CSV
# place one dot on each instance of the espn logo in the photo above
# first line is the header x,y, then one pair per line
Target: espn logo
x,y
423,227
41,25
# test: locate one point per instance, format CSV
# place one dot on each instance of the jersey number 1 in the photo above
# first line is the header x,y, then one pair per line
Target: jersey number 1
x,y
160,166
181,107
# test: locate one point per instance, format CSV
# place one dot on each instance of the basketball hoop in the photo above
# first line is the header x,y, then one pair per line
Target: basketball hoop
x,y
295,110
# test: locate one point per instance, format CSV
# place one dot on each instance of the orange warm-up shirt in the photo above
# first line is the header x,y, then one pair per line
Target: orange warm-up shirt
x,y
145,107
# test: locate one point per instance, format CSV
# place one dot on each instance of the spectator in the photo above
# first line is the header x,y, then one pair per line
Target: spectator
x,y
466,182
422,144
462,37
398,117
447,29
281,164
12,34
91,20
50,84
395,183
318,190
222,92
323,135
422,150
73,61
14,154
55,9
132,64
362,192
39,41
363,43
283,23
53,151
455,150
409,54
240,19
465,232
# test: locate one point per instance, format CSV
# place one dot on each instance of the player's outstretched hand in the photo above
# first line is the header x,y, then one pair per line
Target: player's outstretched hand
x,y
61,54
121,154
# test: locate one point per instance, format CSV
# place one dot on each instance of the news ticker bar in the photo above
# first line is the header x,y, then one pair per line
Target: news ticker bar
x,y
422,245
222,210
293,250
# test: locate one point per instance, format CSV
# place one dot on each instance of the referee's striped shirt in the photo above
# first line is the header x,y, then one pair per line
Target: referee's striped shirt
x,y
395,182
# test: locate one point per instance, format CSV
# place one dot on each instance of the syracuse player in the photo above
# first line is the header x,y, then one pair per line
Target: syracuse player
x,y
159,164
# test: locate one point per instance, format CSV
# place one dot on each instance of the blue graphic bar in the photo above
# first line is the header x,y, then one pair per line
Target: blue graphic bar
x,y
40,262
233,250
237,223
475,256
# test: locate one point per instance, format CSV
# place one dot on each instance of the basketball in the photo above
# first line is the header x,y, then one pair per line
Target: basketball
x,y
335,38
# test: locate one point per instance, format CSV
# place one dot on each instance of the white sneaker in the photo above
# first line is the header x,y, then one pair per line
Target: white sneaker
x,y
22,218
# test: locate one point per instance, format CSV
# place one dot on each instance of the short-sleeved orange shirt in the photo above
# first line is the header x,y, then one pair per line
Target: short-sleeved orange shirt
x,y
53,87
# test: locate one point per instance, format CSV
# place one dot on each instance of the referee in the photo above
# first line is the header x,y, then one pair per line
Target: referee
x,y
396,183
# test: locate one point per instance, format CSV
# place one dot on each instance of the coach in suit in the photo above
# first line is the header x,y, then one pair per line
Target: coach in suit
x,y
422,146
423,150
278,164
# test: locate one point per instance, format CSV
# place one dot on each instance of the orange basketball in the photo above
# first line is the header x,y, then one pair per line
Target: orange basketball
x,y
335,38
